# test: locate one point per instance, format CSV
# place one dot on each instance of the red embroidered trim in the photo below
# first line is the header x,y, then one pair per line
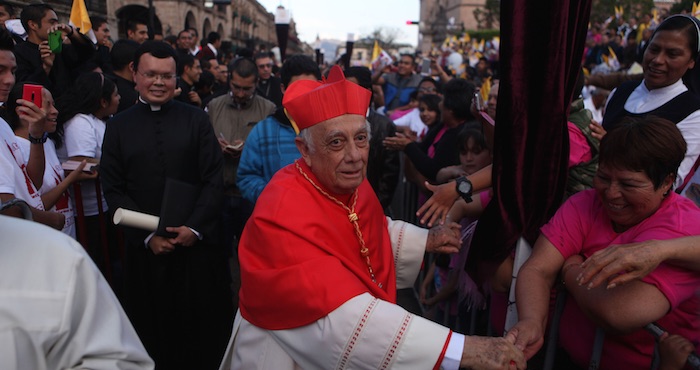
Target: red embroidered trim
x,y
356,334
399,243
398,338
444,350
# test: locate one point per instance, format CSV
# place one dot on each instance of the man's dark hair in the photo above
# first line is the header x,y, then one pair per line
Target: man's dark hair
x,y
413,57
34,13
213,37
205,64
205,79
458,94
123,53
158,49
9,8
296,65
186,60
259,56
244,53
362,74
183,31
6,42
171,39
132,24
97,22
244,67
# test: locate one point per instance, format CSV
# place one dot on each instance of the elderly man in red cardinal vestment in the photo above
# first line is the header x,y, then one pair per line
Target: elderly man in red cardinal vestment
x,y
320,264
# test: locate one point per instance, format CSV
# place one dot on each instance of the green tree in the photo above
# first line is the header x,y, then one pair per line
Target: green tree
x,y
604,9
488,16
386,36
683,5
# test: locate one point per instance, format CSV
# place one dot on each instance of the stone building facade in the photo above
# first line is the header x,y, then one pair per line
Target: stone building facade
x,y
244,23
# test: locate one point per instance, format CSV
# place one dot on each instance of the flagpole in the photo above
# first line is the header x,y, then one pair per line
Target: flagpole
x,y
151,20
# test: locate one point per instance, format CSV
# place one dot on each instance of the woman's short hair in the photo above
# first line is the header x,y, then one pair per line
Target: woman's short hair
x,y
650,144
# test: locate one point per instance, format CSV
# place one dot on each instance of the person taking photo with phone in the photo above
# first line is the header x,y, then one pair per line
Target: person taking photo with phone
x,y
53,52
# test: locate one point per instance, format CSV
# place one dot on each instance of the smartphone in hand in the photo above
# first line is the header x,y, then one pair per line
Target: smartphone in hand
x,y
32,93
56,42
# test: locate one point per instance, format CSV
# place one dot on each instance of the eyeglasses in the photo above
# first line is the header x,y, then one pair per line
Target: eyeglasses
x,y
427,89
165,77
268,65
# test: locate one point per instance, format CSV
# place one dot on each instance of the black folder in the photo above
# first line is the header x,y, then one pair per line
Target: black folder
x,y
179,200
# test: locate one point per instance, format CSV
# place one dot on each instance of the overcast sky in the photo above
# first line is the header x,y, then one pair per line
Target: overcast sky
x,y
335,19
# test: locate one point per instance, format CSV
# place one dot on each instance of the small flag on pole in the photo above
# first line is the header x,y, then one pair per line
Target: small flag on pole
x,y
80,19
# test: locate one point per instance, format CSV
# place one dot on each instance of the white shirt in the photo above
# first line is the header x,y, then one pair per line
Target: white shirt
x,y
363,333
413,122
596,112
83,137
56,309
643,100
213,49
53,175
14,178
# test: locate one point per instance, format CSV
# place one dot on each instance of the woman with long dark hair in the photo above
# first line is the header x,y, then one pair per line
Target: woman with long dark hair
x,y
54,187
83,111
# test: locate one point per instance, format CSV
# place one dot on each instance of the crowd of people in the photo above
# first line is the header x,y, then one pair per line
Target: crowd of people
x,y
273,252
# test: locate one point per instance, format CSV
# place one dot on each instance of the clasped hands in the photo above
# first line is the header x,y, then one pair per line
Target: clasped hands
x,y
161,245
444,238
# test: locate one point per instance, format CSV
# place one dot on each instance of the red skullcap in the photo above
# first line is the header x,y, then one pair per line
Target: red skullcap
x,y
307,102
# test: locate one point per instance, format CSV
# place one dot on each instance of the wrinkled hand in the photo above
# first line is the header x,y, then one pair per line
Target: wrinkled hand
x,y
597,130
491,353
674,351
185,236
528,337
438,205
160,245
444,238
630,261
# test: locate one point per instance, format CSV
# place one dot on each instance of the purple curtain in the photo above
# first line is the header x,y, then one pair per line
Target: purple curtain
x,y
541,49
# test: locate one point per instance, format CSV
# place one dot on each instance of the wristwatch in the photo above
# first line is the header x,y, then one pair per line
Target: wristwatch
x,y
39,140
464,188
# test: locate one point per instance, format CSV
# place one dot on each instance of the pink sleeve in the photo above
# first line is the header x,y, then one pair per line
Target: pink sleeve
x,y
568,228
579,150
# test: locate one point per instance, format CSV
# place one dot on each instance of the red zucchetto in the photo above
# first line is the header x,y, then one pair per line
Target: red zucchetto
x,y
307,103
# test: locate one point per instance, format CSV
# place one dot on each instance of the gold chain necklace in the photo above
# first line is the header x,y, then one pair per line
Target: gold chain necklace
x,y
352,217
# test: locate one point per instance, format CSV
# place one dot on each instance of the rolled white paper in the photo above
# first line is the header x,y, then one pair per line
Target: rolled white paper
x,y
135,219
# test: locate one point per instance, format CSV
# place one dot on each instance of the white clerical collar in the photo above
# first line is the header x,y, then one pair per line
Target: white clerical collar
x,y
154,107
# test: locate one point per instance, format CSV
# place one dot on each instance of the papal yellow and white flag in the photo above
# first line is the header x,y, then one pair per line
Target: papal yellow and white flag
x,y
380,58
80,19
485,89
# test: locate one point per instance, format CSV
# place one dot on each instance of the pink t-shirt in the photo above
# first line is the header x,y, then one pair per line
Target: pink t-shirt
x,y
581,226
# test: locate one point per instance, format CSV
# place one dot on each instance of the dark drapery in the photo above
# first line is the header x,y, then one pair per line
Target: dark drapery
x,y
541,49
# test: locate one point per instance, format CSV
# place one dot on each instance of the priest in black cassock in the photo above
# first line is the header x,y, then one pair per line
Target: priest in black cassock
x,y
178,293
